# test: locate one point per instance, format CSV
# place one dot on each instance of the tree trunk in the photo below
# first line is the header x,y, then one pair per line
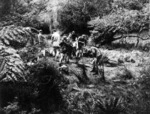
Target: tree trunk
x,y
101,72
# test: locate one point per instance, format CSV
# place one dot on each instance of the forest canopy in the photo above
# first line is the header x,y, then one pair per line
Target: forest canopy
x,y
78,15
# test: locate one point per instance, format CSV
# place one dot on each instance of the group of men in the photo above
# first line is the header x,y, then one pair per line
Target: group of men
x,y
67,47
64,47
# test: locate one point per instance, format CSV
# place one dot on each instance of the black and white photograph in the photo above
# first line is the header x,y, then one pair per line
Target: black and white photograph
x,y
74,56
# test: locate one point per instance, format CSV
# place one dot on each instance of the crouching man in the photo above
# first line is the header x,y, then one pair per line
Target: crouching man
x,y
98,62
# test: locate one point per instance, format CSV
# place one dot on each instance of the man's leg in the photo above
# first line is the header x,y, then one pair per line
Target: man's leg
x,y
67,58
77,56
61,57
93,65
57,54
74,52
96,69
101,72
54,51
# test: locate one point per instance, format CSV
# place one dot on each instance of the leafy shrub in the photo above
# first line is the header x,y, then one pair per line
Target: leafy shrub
x,y
111,106
128,4
46,76
41,91
111,98
121,20
76,14
23,91
140,89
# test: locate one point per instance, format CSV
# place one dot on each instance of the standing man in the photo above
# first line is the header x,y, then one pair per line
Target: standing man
x,y
81,43
56,39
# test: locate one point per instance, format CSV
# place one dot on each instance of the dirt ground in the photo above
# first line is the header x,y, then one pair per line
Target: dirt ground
x,y
133,62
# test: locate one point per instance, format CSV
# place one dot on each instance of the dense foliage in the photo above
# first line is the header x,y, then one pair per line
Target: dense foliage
x,y
14,40
76,13
36,86
41,91
126,17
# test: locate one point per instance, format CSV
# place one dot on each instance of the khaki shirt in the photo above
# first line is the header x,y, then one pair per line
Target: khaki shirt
x,y
56,39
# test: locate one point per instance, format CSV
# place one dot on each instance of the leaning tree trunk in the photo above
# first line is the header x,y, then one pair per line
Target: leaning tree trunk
x,y
101,72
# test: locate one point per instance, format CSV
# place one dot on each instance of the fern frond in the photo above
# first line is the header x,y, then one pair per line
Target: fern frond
x,y
14,68
16,36
111,106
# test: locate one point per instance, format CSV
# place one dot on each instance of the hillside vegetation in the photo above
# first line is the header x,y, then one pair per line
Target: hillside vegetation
x,y
31,83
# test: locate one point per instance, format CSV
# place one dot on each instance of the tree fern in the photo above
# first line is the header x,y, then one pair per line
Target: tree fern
x,y
17,37
12,65
111,106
